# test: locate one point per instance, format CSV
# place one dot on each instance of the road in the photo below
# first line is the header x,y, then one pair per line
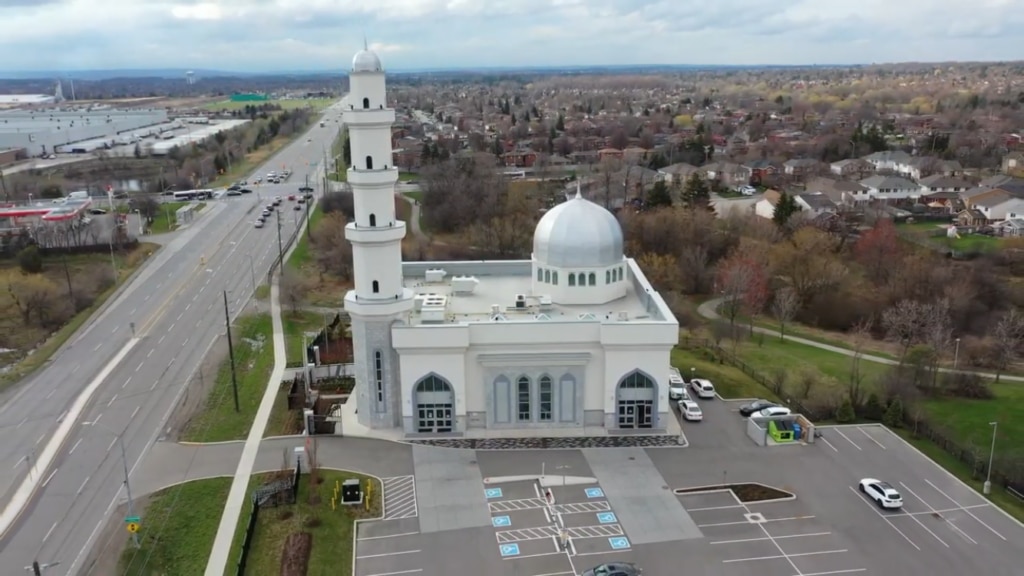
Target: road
x,y
176,306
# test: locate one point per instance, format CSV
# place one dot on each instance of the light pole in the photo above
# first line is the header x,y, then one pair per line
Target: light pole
x,y
693,373
252,274
956,354
987,487
280,246
231,351
37,569
127,483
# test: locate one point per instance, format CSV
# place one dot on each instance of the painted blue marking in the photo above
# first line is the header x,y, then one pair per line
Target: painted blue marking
x,y
492,492
511,549
501,521
595,493
607,518
619,543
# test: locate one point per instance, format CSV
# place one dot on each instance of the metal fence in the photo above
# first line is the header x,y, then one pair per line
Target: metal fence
x,y
250,526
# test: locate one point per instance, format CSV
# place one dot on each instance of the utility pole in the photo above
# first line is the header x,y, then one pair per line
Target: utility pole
x,y
67,274
37,569
128,488
231,352
3,186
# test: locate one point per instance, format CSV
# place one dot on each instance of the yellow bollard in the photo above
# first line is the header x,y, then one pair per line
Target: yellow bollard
x,y
333,503
337,485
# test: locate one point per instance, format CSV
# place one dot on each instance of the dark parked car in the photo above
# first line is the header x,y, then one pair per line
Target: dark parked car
x,y
755,406
306,190
245,191
615,569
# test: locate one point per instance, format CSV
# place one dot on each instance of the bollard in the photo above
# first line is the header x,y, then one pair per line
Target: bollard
x,y
333,503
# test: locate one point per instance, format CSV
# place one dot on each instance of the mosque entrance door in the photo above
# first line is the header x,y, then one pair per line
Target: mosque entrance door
x,y
635,401
435,406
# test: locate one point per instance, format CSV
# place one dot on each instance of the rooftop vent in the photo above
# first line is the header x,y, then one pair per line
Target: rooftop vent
x,y
542,317
520,300
435,275
464,284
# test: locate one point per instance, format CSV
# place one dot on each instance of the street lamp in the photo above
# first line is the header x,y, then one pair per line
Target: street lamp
x,y
956,354
127,483
231,350
693,373
987,487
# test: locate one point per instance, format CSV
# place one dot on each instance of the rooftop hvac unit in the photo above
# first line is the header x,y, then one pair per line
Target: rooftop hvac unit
x,y
545,302
495,309
623,316
520,300
436,275
464,284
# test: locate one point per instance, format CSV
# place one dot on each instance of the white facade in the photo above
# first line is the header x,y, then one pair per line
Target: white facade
x,y
1005,210
765,208
574,337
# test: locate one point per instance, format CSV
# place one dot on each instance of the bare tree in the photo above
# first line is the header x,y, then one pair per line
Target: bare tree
x,y
860,335
784,307
938,334
905,323
1009,335
294,289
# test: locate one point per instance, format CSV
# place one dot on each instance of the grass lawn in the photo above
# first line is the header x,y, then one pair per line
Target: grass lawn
x,y
45,343
331,529
729,381
415,195
254,359
178,528
166,220
407,176
291,104
301,255
967,421
296,325
263,292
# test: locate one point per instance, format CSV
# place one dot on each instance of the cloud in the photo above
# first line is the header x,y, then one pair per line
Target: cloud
x,y
254,35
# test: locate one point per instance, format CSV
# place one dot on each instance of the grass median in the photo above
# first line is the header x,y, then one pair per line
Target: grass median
x,y
218,421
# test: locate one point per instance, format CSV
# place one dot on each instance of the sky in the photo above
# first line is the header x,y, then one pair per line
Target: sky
x,y
322,35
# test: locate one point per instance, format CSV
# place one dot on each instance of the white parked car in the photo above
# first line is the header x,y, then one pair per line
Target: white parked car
x,y
774,411
882,493
676,387
690,410
702,388
259,224
748,190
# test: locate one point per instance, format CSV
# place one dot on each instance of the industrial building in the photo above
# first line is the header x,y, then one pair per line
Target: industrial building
x,y
194,134
11,100
42,132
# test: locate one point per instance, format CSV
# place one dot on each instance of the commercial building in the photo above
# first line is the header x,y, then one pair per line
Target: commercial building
x,y
574,338
42,132
192,134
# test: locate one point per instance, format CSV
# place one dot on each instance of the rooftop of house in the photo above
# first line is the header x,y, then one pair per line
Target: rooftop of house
x,y
943,181
477,291
993,200
822,184
881,182
818,201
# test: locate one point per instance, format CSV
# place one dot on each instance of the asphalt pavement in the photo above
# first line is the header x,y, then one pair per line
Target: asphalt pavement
x,y
175,304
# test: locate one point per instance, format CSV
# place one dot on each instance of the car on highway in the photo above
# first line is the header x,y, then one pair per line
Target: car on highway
x,y
234,187
305,190
266,212
245,191
259,223
277,200
702,388
882,493
297,207
258,180
614,569
291,197
690,410
755,406
235,192
773,411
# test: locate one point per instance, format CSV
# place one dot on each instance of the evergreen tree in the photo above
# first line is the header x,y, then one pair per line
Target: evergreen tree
x,y
894,413
513,116
873,409
696,193
560,123
659,195
845,414
784,210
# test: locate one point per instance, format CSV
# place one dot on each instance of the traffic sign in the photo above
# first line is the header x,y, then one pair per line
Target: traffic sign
x,y
131,519
132,527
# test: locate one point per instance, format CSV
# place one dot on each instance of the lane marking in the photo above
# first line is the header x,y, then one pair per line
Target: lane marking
x,y
134,412
185,342
41,438
50,394
82,487
935,512
62,416
112,442
50,531
868,436
783,555
389,536
23,420
114,331
187,306
72,451
50,477
112,400
744,540
178,318
840,432
97,419
871,505
730,507
139,367
850,571
829,444
965,509
388,554
98,346
171,329
151,350
132,313
153,387
20,460
161,340
123,386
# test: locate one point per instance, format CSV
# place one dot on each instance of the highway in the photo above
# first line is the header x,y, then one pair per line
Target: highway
x,y
176,306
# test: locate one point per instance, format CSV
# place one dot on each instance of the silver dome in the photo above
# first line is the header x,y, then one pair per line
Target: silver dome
x,y
366,61
578,234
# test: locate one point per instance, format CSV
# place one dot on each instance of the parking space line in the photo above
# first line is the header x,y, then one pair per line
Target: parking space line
x,y
966,509
748,522
868,437
883,517
830,572
386,536
714,508
541,555
387,554
784,555
517,504
829,444
414,571
556,574
935,512
854,444
400,497
788,536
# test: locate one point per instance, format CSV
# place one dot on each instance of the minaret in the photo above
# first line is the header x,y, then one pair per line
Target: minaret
x,y
379,297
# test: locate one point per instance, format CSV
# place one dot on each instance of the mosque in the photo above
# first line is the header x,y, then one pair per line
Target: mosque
x,y
573,338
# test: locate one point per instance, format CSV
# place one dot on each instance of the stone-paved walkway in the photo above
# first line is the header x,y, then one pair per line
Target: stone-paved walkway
x,y
553,443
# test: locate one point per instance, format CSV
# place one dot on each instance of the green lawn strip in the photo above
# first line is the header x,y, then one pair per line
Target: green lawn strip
x,y
296,325
407,176
178,528
415,195
331,529
729,381
302,255
768,354
966,422
998,497
263,292
126,266
218,421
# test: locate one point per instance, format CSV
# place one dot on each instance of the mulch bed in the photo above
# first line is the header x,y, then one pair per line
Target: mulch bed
x,y
295,560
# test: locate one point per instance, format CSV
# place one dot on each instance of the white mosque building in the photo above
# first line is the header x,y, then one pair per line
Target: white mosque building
x,y
574,338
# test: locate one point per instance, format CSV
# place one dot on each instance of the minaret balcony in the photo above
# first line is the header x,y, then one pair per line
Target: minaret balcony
x,y
369,116
373,178
381,305
375,234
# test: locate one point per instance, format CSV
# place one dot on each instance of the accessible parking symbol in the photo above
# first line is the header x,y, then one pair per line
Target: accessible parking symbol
x,y
510,549
607,518
501,521
619,543
492,492
595,493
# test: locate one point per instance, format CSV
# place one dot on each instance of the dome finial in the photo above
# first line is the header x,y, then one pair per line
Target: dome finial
x,y
579,192
366,46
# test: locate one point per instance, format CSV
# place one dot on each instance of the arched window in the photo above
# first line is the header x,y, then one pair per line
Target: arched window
x,y
620,273
433,383
523,409
547,395
547,276
366,103
373,219
369,162
378,378
593,279
540,275
572,279
376,287
636,380
554,278
607,276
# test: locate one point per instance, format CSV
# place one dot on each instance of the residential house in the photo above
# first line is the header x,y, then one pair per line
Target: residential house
x,y
997,207
946,201
974,195
728,174
1002,180
800,168
853,168
765,207
678,173
519,158
815,204
737,145
881,187
407,153
887,159
941,183
921,166
1013,163
634,155
761,170
1011,227
609,153
841,192
970,218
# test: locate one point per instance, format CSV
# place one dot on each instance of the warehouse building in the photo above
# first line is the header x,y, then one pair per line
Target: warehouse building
x,y
44,132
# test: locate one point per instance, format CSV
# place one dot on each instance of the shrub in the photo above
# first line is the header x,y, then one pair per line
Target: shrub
x,y
894,414
873,409
30,260
967,385
845,414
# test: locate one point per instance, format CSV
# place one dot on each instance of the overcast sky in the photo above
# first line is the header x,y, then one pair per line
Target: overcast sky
x,y
268,35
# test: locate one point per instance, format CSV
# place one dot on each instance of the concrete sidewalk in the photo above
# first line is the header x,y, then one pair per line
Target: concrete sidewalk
x,y
710,308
